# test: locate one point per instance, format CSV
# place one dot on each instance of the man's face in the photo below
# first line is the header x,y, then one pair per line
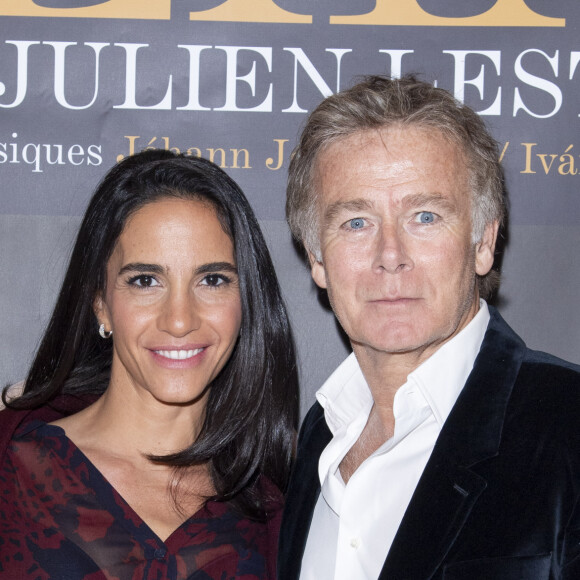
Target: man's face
x,y
395,235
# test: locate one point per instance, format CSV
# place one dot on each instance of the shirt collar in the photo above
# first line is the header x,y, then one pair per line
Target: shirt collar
x,y
345,394
443,375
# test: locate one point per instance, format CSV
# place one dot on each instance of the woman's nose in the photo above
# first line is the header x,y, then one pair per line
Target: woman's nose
x,y
180,313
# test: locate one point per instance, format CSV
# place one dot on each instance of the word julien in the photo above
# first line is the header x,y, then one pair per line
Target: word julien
x,y
200,67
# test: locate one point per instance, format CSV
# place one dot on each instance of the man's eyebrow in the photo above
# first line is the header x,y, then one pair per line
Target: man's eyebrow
x,y
350,205
141,267
411,200
428,199
212,267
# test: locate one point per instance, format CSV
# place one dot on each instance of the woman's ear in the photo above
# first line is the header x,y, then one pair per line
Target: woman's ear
x,y
101,311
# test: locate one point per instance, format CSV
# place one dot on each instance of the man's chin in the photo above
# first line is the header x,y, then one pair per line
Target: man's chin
x,y
392,343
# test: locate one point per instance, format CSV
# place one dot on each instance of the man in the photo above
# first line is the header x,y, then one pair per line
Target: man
x,y
442,448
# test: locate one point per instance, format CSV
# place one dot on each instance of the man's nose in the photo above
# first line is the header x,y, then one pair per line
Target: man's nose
x,y
180,314
391,253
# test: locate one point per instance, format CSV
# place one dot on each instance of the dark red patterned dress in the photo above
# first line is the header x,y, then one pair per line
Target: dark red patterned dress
x,y
60,519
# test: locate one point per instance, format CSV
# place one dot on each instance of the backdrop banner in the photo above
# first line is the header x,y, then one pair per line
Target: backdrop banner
x,y
84,83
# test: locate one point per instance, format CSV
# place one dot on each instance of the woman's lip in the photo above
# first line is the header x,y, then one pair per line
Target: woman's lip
x,y
175,352
178,354
179,358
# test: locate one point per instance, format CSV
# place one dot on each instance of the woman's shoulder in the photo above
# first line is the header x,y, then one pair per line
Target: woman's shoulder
x,y
12,419
270,494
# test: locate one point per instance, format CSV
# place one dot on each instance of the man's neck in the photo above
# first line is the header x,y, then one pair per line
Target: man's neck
x,y
386,373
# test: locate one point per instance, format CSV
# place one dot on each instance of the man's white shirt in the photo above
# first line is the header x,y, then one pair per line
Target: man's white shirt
x,y
354,525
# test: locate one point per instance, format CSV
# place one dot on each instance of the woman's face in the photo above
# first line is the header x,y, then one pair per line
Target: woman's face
x,y
172,300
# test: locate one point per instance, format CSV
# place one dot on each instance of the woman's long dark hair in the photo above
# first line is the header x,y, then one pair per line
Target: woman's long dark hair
x,y
252,408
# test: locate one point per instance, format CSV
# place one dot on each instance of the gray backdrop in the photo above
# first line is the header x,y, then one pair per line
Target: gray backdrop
x,y
85,82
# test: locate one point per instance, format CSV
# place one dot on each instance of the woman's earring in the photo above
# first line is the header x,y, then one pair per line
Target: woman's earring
x,y
104,333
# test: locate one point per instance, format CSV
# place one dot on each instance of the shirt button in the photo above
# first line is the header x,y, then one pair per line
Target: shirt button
x,y
160,554
355,543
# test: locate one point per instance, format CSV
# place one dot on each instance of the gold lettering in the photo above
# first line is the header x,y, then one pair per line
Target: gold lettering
x,y
547,166
528,147
280,154
235,153
567,163
215,154
133,9
132,140
167,148
503,151
410,13
212,153
385,13
250,11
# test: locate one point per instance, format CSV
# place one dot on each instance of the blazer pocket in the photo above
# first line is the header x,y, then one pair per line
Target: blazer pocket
x,y
513,568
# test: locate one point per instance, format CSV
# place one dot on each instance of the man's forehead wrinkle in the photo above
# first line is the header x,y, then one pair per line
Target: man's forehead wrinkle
x,y
427,197
380,133
394,167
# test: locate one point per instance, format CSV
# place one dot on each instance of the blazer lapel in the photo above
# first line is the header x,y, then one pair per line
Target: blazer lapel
x,y
302,494
448,489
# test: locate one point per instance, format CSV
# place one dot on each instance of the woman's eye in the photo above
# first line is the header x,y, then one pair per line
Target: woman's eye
x,y
356,223
426,217
214,280
143,281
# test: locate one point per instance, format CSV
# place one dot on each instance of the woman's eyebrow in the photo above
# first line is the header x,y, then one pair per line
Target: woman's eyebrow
x,y
157,269
212,267
141,267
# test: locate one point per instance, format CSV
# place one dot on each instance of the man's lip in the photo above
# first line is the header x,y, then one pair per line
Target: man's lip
x,y
395,299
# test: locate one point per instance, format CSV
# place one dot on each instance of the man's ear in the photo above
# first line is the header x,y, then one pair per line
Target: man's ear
x,y
317,270
485,249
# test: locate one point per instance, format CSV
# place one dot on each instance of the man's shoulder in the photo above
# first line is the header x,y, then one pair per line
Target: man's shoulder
x,y
546,395
313,421
502,342
314,432
551,379
550,363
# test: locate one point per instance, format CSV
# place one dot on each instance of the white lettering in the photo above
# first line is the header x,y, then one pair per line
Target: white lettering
x,y
396,58
21,72
460,57
315,76
232,78
194,72
537,82
131,81
59,71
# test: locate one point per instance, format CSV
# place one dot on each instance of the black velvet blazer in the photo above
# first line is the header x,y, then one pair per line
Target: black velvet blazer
x,y
498,499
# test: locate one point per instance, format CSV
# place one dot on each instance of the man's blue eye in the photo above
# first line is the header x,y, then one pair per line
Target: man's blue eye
x,y
356,223
426,217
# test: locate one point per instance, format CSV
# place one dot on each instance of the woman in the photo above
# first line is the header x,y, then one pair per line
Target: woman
x,y
155,430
